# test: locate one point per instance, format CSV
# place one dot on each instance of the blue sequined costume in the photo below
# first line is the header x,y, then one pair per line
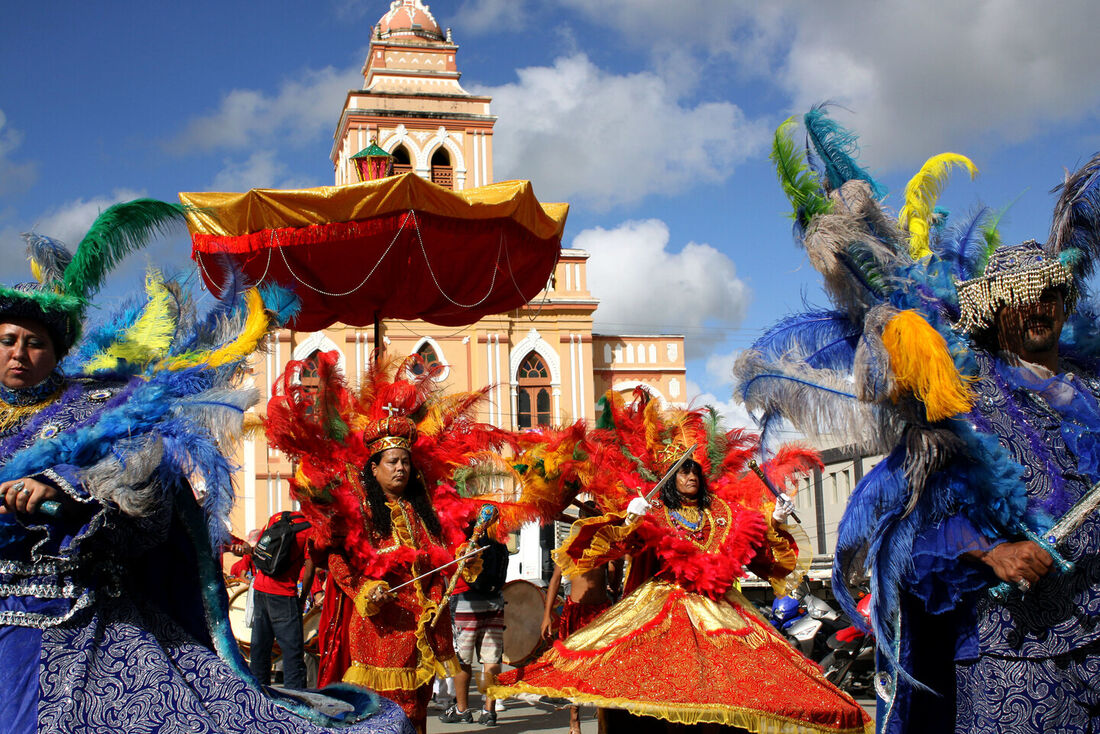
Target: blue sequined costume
x,y
113,609
952,637
117,622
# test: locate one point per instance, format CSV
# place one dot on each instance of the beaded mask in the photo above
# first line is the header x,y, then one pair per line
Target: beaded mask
x,y
1015,276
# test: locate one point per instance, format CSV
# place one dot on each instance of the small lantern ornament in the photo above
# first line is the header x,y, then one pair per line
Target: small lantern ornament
x,y
373,163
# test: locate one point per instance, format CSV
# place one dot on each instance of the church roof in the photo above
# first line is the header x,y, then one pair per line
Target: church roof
x,y
409,19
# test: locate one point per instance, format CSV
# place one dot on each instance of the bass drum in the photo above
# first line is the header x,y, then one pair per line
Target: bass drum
x,y
524,603
238,608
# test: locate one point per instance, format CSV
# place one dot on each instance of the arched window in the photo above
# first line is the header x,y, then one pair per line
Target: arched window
x,y
442,171
402,163
309,378
533,392
431,360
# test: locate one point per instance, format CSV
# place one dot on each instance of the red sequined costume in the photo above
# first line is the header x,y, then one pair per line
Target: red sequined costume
x,y
396,646
575,615
684,645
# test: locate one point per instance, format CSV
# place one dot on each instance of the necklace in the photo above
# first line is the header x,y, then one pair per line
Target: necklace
x,y
699,531
17,404
681,516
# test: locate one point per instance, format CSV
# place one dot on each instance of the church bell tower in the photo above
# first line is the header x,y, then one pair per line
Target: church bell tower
x,y
413,106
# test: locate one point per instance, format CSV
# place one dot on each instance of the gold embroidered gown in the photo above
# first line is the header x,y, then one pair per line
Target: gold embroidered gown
x,y
684,645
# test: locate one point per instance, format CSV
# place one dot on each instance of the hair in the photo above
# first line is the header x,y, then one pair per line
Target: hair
x,y
670,498
415,492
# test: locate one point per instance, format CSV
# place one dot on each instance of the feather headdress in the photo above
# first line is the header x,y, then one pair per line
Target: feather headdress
x,y
330,430
66,283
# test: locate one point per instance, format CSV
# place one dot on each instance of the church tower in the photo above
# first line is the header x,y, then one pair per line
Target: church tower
x,y
413,106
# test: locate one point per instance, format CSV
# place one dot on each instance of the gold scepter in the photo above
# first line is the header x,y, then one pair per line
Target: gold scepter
x,y
485,515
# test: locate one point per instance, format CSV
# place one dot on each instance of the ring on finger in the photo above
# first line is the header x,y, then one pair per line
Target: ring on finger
x,y
1024,585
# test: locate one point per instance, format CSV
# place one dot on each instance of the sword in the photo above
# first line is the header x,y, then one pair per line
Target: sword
x,y
768,483
1073,519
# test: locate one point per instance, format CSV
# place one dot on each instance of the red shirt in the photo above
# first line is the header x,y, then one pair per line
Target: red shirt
x,y
286,583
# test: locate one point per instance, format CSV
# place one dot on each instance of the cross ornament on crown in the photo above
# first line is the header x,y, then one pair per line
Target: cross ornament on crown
x,y
391,409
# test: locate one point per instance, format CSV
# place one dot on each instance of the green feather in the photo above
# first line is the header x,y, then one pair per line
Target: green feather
x,y
992,236
606,421
118,231
717,444
800,184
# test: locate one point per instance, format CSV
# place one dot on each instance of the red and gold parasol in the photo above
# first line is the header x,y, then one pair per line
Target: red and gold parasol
x,y
399,247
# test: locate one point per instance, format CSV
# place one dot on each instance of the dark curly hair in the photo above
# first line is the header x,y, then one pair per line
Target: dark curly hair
x,y
415,492
670,498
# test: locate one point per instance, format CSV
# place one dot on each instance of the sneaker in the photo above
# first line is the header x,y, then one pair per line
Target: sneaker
x,y
454,716
487,718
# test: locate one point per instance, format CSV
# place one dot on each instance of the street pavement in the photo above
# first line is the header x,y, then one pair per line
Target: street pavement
x,y
520,716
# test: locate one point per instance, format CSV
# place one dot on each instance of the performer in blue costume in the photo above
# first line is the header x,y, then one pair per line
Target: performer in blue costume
x,y
114,496
973,365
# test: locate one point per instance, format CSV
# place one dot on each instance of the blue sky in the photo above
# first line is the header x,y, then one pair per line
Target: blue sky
x,y
652,118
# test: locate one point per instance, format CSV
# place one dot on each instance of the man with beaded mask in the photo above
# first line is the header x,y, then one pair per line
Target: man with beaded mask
x,y
973,366
1025,664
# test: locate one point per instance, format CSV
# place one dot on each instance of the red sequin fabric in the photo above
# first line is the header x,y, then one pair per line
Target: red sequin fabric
x,y
673,653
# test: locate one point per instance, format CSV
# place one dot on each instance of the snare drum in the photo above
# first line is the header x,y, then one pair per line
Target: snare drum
x,y
524,603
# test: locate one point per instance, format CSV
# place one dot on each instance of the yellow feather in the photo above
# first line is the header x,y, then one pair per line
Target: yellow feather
x,y
149,337
921,194
36,270
922,365
255,328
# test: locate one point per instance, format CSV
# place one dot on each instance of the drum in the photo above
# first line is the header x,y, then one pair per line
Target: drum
x,y
311,627
238,600
524,603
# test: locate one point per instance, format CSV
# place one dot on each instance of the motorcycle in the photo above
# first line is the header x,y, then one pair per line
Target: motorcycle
x,y
850,663
807,623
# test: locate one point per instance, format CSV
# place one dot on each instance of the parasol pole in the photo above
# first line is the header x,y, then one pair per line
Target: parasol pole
x,y
377,335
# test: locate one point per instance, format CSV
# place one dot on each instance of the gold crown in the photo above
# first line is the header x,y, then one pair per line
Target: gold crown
x,y
669,455
391,432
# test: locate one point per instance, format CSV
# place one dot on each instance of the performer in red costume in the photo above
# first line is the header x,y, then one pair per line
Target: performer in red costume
x,y
684,647
375,485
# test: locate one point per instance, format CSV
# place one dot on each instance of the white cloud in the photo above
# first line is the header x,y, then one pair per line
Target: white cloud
x,y
14,177
719,368
732,412
262,169
644,287
919,78
742,31
294,116
480,16
579,132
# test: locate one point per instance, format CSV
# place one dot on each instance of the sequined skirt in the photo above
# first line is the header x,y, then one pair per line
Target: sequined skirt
x,y
682,657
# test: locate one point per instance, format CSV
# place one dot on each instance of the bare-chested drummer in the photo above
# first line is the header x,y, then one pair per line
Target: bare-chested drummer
x,y
589,596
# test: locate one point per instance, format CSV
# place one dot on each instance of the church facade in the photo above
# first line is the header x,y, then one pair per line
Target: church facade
x,y
543,362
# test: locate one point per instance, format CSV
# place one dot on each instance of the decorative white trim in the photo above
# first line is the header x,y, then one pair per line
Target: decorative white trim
x,y
631,384
534,342
317,341
438,353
